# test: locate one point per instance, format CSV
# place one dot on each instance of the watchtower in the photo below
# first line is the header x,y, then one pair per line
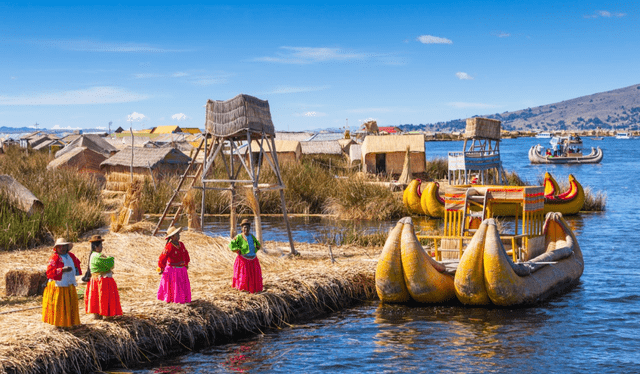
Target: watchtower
x,y
482,136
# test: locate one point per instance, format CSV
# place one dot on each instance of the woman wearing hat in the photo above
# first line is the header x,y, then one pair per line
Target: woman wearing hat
x,y
247,274
173,265
60,299
102,297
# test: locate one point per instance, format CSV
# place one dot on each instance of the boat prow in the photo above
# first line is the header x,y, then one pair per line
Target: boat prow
x,y
411,197
568,203
487,275
406,271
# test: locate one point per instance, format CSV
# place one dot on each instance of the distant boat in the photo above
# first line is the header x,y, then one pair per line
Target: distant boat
x,y
543,135
597,138
623,135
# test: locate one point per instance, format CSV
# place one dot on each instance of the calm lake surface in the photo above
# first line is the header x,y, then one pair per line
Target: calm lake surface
x,y
593,328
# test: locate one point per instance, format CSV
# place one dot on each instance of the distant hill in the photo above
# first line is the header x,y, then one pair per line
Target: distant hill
x,y
618,109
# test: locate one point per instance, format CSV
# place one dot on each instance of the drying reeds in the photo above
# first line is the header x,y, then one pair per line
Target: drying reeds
x,y
295,287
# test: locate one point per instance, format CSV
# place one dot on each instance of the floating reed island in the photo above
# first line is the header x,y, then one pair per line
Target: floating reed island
x,y
296,288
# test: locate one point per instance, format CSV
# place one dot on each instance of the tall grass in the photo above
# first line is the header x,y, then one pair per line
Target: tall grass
x,y
72,201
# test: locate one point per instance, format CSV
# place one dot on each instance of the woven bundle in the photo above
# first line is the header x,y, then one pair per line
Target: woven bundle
x,y
483,128
238,115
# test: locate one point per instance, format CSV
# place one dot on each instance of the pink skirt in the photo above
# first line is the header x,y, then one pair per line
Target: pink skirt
x,y
247,274
102,297
175,286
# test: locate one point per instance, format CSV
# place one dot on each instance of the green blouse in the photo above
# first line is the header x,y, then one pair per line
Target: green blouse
x,y
240,244
100,264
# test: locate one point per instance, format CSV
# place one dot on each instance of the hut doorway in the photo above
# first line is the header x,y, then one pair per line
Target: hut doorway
x,y
381,163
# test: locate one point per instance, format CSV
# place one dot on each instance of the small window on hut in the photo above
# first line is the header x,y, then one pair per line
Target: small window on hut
x,y
381,163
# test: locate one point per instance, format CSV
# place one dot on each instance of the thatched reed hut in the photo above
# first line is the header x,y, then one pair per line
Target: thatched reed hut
x,y
83,159
163,160
385,154
93,142
20,196
331,147
355,153
286,150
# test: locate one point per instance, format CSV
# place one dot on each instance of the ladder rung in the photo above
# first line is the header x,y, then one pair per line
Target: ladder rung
x,y
187,190
175,204
189,176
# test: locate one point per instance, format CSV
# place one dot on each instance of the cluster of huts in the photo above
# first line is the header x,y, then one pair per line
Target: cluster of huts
x,y
168,149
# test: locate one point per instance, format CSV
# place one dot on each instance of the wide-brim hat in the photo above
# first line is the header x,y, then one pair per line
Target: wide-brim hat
x,y
96,238
62,241
171,231
245,222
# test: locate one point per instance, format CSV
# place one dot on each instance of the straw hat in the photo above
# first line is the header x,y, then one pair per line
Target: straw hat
x,y
245,222
61,241
171,231
96,238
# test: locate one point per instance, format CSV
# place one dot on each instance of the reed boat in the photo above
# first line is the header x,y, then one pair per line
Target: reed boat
x,y
411,197
431,201
405,271
488,275
569,202
536,157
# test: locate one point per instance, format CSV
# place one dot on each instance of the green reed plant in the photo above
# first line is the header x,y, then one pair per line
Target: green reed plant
x,y
72,201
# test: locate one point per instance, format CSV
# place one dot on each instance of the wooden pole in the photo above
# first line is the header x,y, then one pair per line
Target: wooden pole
x,y
202,178
256,209
131,168
232,208
274,156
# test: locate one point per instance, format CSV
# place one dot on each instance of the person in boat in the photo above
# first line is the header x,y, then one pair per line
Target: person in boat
x,y
101,297
247,273
60,299
173,265
548,153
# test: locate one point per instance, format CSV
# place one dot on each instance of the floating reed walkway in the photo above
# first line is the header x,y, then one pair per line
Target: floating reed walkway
x,y
295,288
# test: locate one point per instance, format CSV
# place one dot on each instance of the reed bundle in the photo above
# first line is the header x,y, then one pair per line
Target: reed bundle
x,y
295,288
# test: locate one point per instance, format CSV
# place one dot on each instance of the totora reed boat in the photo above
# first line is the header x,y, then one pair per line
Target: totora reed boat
x,y
536,157
476,264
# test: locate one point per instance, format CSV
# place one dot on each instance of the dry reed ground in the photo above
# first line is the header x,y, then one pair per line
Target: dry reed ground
x,y
295,288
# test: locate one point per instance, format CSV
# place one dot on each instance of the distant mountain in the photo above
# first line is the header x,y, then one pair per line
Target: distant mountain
x,y
618,109
16,130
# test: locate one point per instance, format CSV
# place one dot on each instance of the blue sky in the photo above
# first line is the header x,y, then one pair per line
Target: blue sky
x,y
79,66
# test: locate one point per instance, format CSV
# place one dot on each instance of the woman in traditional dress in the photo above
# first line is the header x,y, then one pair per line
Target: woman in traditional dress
x,y
247,274
60,299
101,298
173,265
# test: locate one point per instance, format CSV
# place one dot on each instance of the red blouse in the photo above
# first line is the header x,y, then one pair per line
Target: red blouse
x,y
55,265
175,256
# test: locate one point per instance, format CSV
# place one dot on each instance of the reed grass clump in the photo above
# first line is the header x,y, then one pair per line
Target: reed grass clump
x,y
72,201
437,168
594,201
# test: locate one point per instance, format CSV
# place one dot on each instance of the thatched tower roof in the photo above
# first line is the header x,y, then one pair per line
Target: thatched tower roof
x,y
147,157
238,115
93,142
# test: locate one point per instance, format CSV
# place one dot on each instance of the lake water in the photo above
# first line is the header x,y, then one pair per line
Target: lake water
x,y
595,327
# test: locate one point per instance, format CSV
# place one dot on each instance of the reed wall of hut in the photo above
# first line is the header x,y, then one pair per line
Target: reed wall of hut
x,y
386,153
287,150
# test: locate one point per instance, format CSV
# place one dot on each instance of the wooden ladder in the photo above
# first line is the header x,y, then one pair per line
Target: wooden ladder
x,y
182,189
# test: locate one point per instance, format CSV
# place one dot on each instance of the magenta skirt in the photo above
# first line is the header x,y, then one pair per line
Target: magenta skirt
x,y
175,286
247,275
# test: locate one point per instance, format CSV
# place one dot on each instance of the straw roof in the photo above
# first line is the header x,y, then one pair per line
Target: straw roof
x,y
299,136
191,130
147,157
281,146
166,129
31,135
238,115
326,136
19,195
325,148
48,143
392,143
94,142
81,158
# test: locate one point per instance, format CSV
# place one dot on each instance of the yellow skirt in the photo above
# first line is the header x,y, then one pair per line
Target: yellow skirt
x,y
60,305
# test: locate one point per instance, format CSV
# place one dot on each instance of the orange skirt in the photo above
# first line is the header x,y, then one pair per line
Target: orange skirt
x,y
102,297
60,305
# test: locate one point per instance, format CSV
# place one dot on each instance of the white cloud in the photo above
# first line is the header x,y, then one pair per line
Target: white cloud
x,y
180,117
312,114
100,127
430,39
146,75
135,117
57,127
463,76
179,74
93,95
309,55
463,105
291,89
88,45
504,35
605,14
14,78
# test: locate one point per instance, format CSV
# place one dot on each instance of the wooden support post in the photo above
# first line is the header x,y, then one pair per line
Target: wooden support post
x,y
274,157
204,188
